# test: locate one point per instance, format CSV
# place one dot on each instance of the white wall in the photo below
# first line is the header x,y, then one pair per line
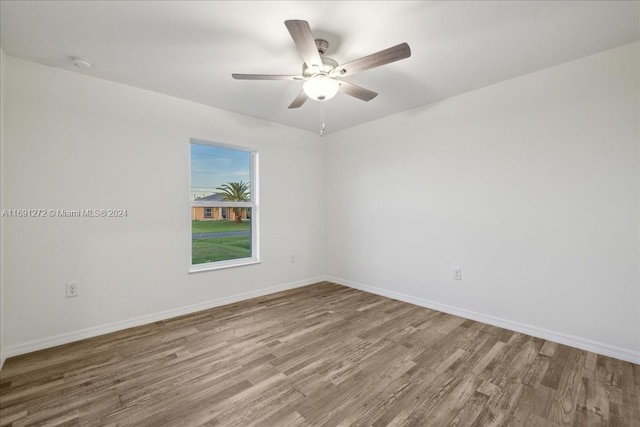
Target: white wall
x,y
530,185
72,142
2,323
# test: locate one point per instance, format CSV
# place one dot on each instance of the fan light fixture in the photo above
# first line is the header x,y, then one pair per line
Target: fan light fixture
x,y
321,87
320,73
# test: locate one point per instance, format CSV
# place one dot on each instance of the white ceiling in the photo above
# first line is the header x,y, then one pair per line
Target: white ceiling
x,y
189,49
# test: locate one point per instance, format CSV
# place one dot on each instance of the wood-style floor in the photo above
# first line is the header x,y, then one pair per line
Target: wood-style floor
x,y
322,355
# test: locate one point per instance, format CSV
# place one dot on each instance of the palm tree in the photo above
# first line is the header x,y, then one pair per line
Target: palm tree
x,y
236,192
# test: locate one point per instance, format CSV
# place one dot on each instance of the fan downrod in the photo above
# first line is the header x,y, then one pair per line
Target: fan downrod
x,y
322,46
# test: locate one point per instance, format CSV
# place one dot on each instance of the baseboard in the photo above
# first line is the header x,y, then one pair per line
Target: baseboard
x,y
560,338
69,337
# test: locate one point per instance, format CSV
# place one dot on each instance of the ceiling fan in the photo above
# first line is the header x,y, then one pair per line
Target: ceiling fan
x,y
322,75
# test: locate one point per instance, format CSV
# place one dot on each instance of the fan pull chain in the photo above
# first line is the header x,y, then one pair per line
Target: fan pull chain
x,y
322,113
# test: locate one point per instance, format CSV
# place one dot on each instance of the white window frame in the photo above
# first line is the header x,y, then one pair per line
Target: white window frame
x,y
253,204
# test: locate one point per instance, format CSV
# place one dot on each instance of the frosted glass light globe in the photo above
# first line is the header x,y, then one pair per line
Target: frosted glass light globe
x,y
321,87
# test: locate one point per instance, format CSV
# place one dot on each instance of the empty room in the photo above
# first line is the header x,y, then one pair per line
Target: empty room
x,y
319,213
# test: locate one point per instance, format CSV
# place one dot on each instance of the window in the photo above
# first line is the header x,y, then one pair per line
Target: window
x,y
224,206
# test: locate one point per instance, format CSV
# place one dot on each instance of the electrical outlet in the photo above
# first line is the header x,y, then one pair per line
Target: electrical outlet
x,y
72,290
457,273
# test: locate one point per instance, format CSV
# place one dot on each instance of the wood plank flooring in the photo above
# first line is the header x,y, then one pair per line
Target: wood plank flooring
x,y
322,355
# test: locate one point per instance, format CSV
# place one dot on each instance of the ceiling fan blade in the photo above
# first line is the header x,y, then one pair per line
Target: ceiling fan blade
x,y
377,59
300,99
303,38
265,77
357,91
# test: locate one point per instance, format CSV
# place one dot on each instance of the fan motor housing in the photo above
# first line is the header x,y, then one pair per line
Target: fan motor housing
x,y
328,65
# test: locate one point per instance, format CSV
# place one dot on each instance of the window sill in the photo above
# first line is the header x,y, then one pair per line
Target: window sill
x,y
223,264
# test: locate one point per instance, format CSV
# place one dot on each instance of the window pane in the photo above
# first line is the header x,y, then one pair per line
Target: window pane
x,y
220,174
221,239
221,212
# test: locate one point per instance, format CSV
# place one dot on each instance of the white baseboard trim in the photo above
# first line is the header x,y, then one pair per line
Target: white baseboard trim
x,y
69,337
560,338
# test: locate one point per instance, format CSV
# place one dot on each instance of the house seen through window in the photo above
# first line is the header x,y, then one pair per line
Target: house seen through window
x,y
223,206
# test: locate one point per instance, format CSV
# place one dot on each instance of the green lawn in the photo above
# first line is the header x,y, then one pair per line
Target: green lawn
x,y
219,248
219,225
